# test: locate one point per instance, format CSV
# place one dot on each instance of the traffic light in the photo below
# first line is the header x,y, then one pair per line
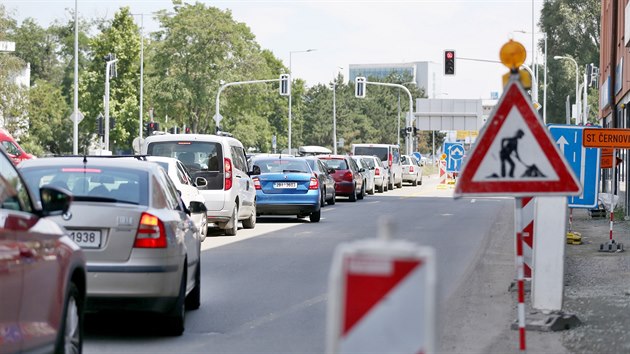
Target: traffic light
x,y
100,125
285,85
449,62
359,87
151,127
174,130
415,131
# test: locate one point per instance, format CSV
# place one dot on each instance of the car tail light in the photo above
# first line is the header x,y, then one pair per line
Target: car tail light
x,y
410,169
377,171
257,183
348,176
150,233
314,183
390,160
227,165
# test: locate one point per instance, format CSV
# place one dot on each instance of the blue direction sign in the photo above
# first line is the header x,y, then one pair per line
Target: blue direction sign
x,y
454,155
583,161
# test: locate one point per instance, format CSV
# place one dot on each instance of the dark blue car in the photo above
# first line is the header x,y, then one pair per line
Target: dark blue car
x,y
286,186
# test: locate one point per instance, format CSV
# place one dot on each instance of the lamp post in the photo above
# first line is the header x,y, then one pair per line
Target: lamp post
x,y
108,66
75,122
544,73
577,70
141,71
334,87
291,93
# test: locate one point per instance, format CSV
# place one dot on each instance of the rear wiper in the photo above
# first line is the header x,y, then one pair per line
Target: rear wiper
x,y
87,198
293,171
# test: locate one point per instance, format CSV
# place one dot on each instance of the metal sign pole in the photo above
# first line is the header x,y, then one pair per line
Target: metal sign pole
x,y
519,274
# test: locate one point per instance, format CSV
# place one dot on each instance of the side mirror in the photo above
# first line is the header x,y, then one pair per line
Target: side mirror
x,y
55,201
197,207
372,168
255,171
362,169
201,182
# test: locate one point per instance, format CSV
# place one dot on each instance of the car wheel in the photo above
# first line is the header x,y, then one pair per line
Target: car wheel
x,y
175,320
193,300
371,192
333,199
70,336
353,195
322,197
420,181
250,222
390,186
231,231
362,193
399,185
315,216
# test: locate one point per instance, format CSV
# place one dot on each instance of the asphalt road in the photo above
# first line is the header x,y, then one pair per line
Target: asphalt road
x,y
265,290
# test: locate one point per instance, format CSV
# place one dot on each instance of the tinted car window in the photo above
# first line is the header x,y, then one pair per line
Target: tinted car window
x,y
337,164
195,155
380,152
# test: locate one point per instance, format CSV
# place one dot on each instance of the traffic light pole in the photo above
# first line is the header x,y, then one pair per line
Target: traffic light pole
x,y
409,123
217,115
106,103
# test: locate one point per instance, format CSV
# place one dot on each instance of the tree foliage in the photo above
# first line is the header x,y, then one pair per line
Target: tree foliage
x,y
573,30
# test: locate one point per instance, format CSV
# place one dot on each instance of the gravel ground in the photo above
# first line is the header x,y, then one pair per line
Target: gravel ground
x,y
597,288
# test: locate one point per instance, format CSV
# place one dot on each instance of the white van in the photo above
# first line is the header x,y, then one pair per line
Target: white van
x,y
219,169
389,154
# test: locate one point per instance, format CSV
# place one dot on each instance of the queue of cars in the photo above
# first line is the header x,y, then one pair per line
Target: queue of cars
x,y
129,229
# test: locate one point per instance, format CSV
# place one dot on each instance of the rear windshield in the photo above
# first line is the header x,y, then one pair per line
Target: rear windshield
x,y
203,159
282,166
337,164
120,184
380,152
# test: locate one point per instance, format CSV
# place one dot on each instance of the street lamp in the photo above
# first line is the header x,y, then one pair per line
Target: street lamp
x,y
544,74
334,87
558,57
290,93
141,70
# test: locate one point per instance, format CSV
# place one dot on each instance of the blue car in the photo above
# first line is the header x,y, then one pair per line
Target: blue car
x,y
286,186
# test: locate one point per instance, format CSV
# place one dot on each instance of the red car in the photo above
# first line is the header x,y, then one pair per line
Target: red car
x,y
12,148
42,271
347,175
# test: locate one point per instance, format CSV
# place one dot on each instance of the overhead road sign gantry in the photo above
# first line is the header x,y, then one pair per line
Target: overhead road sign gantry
x,y
606,138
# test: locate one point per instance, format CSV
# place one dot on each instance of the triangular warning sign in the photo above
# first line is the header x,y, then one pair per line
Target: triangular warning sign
x,y
515,155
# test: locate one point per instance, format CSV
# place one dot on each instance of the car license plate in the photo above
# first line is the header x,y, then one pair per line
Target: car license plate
x,y
86,238
285,185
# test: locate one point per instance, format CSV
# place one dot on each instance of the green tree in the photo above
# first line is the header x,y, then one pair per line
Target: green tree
x,y
48,121
121,38
572,29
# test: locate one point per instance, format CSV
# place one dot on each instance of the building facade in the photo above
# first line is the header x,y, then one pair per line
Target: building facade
x,y
424,74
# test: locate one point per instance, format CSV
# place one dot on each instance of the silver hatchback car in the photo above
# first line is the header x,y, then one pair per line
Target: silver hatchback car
x,y
142,249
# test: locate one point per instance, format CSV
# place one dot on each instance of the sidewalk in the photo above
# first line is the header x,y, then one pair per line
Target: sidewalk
x,y
597,287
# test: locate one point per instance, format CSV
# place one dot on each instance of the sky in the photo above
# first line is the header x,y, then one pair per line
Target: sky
x,y
344,32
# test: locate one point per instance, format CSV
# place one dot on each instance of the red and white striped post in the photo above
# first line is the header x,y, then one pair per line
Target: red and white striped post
x,y
526,226
443,173
519,274
612,218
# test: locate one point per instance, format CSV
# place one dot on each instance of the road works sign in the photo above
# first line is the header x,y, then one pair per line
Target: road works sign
x,y
515,155
381,298
583,161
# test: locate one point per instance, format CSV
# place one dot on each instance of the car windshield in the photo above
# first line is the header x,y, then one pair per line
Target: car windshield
x,y
282,166
102,182
337,164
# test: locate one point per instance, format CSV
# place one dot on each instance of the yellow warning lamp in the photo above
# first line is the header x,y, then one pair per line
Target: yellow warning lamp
x,y
443,157
513,55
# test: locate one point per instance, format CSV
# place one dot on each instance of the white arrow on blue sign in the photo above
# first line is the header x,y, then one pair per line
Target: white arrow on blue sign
x,y
454,156
583,161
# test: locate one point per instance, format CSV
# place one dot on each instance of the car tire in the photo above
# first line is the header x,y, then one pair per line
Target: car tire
x,y
322,197
390,186
399,185
70,336
231,231
371,191
315,216
362,193
193,300
250,222
353,195
175,320
420,181
333,200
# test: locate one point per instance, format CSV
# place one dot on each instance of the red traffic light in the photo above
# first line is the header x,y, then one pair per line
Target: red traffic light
x,y
450,54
